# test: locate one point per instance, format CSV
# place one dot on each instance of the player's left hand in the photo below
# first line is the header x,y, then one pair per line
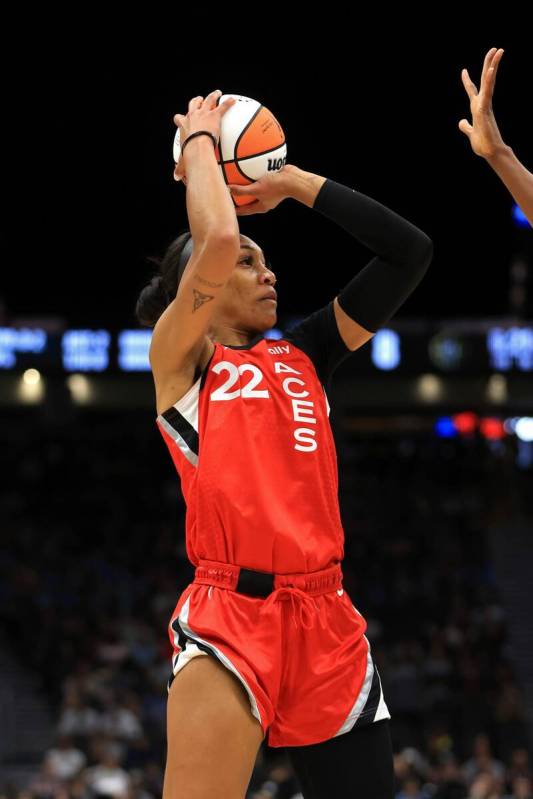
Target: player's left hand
x,y
483,133
269,190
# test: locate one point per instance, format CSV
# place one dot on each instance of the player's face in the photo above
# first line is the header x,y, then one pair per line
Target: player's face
x,y
246,302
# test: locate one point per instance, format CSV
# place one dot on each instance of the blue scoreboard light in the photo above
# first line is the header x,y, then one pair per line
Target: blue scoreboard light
x,y
85,350
133,347
510,348
15,341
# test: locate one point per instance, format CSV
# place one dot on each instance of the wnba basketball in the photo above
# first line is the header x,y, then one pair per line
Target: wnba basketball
x,y
252,143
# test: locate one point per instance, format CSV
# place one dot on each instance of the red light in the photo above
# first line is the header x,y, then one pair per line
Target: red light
x,y
492,428
465,422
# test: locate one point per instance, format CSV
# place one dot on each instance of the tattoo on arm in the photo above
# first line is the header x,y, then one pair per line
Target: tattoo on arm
x,y
199,299
208,282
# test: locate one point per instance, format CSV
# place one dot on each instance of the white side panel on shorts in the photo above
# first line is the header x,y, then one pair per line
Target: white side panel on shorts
x,y
182,658
383,711
360,702
183,619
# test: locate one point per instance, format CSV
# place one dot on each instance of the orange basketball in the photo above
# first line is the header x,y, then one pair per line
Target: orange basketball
x,y
252,143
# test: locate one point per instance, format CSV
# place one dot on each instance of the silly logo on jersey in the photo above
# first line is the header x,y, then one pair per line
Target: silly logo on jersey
x,y
302,409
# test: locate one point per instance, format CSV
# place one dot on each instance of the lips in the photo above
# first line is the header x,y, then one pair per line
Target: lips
x,y
270,296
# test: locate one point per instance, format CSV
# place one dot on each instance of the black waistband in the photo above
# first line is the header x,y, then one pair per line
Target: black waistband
x,y
255,583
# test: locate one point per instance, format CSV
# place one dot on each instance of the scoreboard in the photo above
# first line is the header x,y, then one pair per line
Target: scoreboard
x,y
469,347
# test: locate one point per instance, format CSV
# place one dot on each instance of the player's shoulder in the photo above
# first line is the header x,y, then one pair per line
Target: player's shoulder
x,y
317,334
311,325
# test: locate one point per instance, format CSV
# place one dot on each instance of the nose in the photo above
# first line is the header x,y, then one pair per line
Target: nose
x,y
179,172
268,276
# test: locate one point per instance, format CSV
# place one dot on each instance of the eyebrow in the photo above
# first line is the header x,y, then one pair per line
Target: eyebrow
x,y
247,247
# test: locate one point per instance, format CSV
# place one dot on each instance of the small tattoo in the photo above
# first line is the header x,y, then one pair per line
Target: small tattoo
x,y
199,299
208,282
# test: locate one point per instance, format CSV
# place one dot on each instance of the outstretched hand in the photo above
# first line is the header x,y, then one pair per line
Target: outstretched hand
x,y
483,132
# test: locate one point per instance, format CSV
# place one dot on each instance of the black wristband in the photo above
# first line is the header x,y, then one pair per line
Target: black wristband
x,y
199,133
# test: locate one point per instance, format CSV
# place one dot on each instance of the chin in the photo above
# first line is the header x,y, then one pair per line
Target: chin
x,y
265,318
273,318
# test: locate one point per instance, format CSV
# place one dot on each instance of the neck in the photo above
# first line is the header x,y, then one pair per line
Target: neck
x,y
225,334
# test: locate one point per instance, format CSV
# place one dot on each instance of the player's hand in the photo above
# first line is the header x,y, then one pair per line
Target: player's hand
x,y
269,190
203,114
483,133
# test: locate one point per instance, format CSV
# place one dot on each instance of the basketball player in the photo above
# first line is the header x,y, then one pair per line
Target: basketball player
x,y
272,644
486,139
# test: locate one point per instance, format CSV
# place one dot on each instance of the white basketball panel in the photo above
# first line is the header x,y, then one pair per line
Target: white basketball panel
x,y
234,121
254,168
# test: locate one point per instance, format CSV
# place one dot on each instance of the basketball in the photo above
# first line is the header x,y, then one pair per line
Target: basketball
x,y
252,143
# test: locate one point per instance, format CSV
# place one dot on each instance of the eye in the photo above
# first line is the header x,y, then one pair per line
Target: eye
x,y
248,259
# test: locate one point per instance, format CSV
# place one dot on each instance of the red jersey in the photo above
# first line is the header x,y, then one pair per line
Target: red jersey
x,y
253,445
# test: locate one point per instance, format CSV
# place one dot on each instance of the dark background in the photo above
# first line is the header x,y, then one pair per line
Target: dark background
x,y
437,530
87,166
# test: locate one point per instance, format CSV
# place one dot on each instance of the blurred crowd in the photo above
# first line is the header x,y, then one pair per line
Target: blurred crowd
x,y
93,561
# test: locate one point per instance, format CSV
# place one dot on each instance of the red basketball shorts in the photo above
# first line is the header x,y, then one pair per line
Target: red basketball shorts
x,y
299,651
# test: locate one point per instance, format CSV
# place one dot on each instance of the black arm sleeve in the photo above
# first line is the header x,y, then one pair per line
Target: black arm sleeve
x,y
403,253
318,336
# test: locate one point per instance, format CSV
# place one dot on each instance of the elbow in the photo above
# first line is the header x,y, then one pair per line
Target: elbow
x,y
427,250
421,252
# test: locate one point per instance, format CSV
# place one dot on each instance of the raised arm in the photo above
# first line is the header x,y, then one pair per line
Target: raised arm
x,y
403,252
180,333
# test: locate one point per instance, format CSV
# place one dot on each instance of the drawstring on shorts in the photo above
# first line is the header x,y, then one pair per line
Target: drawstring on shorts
x,y
262,584
307,605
